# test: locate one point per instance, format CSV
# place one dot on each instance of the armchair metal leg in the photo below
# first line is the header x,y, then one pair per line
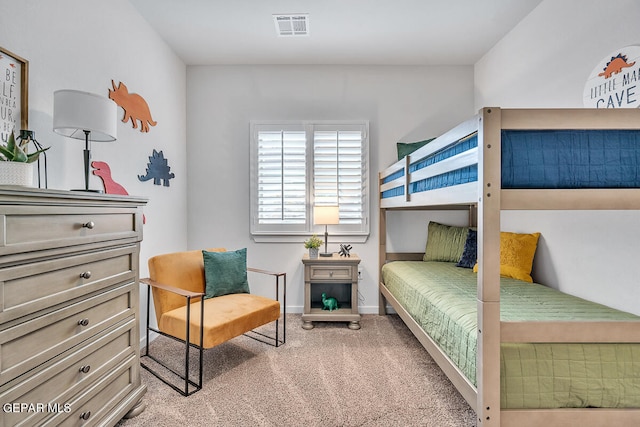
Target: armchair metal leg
x,y
274,340
196,386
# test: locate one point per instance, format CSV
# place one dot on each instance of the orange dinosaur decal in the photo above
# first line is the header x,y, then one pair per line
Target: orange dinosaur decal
x,y
616,65
134,106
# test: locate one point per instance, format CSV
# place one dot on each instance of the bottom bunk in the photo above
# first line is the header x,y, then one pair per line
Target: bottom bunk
x,y
438,302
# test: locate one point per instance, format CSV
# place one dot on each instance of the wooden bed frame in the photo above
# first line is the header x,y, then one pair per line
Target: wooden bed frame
x,y
485,199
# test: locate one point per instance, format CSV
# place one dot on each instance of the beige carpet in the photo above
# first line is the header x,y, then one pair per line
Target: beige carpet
x,y
379,375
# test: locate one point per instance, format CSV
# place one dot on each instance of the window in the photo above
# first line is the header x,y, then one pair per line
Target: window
x,y
295,166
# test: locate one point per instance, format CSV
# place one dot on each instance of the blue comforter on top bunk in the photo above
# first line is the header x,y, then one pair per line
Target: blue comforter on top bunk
x,y
544,159
571,159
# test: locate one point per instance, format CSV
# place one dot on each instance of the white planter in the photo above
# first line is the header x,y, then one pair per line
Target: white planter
x,y
313,253
16,173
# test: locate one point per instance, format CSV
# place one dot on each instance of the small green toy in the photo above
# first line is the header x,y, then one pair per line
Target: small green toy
x,y
329,303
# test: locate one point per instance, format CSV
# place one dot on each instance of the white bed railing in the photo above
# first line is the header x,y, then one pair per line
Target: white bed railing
x,y
457,194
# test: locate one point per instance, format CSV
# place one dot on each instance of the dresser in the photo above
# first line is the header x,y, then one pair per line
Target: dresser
x,y
69,308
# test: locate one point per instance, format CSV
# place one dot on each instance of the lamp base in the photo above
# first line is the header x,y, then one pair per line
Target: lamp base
x,y
87,190
326,252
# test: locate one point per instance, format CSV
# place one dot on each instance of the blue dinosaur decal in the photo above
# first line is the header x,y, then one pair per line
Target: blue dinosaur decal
x,y
158,170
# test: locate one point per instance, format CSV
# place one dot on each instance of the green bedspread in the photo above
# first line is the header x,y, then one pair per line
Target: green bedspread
x,y
442,299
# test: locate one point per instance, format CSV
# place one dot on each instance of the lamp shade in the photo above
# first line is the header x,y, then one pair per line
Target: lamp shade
x,y
75,111
326,215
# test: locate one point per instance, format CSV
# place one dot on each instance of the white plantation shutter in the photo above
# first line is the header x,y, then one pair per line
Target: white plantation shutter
x,y
282,177
298,165
339,171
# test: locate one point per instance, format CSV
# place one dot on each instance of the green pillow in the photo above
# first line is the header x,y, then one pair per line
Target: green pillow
x,y
445,242
406,148
225,273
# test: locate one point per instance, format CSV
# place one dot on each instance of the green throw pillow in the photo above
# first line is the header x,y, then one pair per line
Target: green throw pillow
x,y
406,148
445,242
225,273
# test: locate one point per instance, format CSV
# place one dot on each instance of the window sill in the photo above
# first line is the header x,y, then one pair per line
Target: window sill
x,y
334,239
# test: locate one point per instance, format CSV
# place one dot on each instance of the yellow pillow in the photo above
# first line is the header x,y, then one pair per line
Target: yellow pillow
x,y
516,255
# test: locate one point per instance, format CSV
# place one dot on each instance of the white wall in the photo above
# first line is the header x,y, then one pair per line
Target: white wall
x,y
83,44
544,62
401,103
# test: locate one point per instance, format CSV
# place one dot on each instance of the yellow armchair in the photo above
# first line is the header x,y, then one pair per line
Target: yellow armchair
x,y
177,283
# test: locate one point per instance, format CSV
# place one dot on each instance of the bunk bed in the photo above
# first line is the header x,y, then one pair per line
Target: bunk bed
x,y
473,167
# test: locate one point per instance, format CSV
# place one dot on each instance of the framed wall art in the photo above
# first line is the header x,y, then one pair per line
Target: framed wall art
x,y
14,93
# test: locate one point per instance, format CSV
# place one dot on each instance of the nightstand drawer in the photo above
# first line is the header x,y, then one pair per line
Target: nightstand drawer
x,y
25,289
34,342
335,272
57,227
55,383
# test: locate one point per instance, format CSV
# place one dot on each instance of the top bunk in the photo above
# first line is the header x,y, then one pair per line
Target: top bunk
x,y
527,159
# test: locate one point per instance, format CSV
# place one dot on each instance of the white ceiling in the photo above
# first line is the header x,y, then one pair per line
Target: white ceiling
x,y
424,32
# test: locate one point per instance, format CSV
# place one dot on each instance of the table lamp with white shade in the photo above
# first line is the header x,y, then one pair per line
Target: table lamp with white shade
x,y
326,215
85,116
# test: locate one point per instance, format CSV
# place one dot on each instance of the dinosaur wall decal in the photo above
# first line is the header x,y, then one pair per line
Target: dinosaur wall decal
x,y
615,66
103,171
134,106
158,170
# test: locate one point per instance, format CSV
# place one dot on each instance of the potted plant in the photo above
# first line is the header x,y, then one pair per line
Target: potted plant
x,y
16,165
313,243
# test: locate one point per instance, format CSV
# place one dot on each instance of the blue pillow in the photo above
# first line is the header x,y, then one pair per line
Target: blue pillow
x,y
470,252
225,273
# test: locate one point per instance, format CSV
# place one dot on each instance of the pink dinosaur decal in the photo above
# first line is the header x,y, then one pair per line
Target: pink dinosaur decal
x,y
103,171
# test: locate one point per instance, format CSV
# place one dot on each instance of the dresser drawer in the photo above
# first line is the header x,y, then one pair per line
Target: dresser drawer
x,y
323,272
54,384
31,343
25,229
98,402
25,289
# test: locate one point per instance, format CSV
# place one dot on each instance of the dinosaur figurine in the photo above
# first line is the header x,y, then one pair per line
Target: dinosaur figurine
x,y
329,303
157,169
134,106
103,171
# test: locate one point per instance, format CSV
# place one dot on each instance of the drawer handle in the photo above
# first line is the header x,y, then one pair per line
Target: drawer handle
x,y
85,415
85,369
85,275
89,225
331,274
83,322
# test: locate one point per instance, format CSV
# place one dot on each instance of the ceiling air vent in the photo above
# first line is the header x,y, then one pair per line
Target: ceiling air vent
x,y
292,25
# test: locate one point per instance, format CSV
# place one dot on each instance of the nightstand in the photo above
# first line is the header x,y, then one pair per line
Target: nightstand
x,y
336,277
